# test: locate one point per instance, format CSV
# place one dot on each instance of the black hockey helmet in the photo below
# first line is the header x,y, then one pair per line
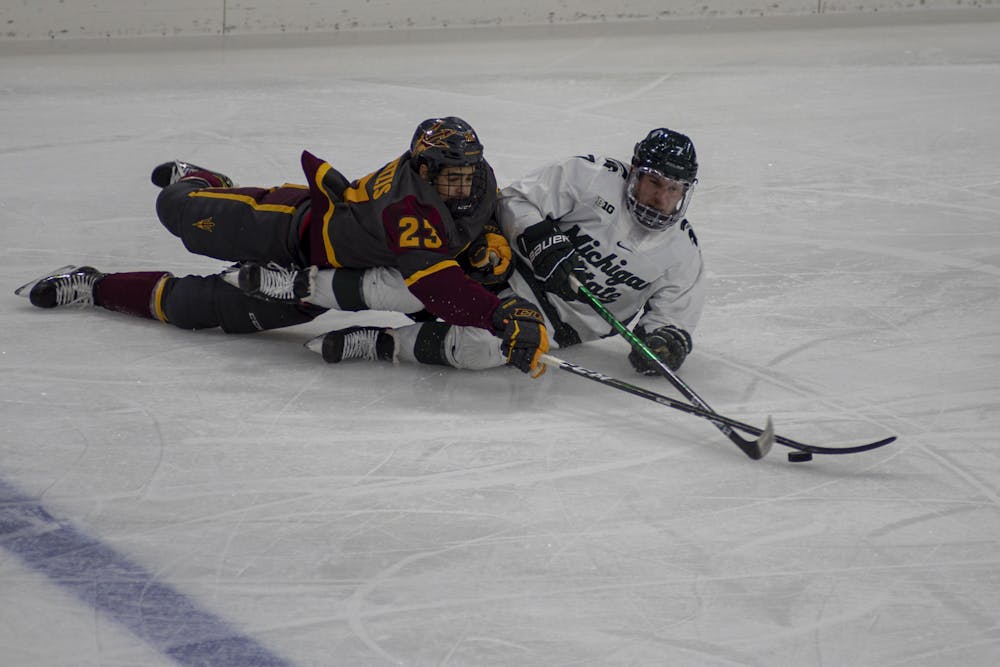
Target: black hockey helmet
x,y
449,141
668,153
446,142
664,154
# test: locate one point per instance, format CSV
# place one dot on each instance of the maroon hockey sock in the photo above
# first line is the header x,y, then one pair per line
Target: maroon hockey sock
x,y
135,293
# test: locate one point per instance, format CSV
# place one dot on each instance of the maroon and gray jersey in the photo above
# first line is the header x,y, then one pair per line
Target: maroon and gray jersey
x,y
392,217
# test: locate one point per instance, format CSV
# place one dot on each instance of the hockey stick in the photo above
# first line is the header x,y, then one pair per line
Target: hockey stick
x,y
696,400
767,433
755,449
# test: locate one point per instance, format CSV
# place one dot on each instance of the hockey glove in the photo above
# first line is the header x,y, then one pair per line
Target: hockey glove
x,y
553,258
521,329
490,257
670,344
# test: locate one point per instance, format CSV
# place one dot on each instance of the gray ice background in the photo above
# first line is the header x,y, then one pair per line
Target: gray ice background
x,y
365,514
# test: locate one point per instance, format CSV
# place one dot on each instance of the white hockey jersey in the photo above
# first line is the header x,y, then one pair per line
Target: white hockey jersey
x,y
631,269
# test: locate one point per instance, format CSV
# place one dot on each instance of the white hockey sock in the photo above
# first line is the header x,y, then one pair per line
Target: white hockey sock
x,y
322,295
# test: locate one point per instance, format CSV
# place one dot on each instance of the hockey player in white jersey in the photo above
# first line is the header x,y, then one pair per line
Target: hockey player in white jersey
x,y
619,229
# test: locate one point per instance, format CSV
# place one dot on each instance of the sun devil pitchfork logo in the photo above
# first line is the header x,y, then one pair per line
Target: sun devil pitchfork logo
x,y
206,224
438,137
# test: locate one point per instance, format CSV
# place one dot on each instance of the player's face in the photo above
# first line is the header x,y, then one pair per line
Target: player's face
x,y
659,192
455,182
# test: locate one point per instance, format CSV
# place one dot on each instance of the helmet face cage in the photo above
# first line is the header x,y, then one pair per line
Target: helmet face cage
x,y
664,154
451,142
649,216
461,206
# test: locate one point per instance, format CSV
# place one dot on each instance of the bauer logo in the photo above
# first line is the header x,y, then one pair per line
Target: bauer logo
x,y
206,224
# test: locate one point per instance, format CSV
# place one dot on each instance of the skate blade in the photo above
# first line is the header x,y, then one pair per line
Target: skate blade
x,y
25,290
315,344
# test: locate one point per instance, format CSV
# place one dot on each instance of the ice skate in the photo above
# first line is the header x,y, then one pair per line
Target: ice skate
x,y
66,286
169,173
273,282
368,343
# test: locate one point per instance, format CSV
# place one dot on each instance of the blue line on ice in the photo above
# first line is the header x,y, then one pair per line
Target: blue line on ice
x,y
122,590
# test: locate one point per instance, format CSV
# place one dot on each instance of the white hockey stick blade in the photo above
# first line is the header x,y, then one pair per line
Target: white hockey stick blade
x,y
766,439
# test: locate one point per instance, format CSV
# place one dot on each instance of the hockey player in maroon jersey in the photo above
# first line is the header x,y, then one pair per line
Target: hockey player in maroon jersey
x,y
619,228
419,214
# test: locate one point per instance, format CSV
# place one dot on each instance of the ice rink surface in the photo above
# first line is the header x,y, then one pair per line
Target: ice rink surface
x,y
171,497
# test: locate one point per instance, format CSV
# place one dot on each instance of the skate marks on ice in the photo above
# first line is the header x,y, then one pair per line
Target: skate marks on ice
x,y
357,512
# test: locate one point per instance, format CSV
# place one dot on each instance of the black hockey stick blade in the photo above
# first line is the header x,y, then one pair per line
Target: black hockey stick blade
x,y
846,449
755,449
696,401
801,446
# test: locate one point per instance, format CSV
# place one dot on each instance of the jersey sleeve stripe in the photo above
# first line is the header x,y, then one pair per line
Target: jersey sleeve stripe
x,y
440,266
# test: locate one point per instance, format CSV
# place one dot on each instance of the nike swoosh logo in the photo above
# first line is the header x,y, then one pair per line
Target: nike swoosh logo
x,y
623,247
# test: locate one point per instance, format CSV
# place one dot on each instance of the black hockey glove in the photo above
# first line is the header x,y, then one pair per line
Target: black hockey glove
x,y
669,343
490,257
521,328
553,257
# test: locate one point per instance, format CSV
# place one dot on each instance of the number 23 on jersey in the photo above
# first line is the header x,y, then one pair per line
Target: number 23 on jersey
x,y
418,233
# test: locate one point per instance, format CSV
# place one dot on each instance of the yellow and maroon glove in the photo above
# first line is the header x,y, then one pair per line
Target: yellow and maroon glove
x,y
521,328
490,257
